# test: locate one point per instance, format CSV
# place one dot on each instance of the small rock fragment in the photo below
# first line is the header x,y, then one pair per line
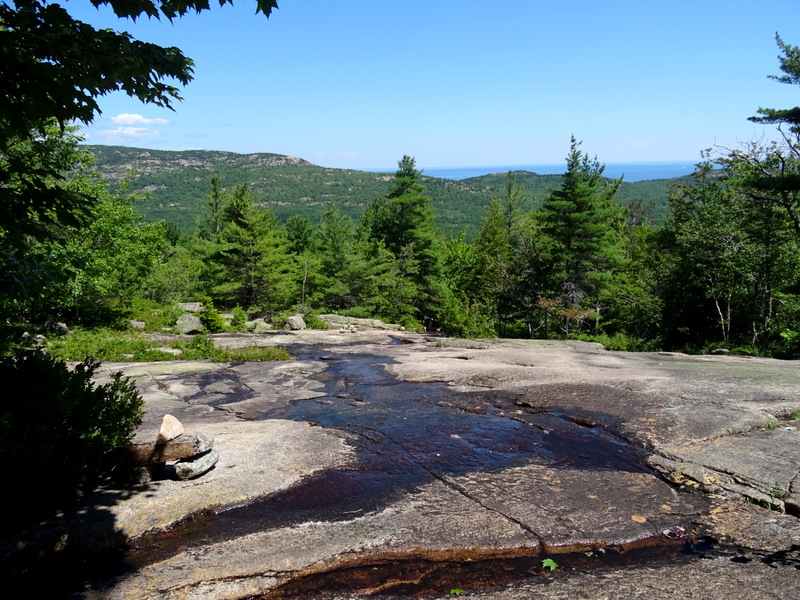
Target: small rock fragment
x,y
189,468
170,429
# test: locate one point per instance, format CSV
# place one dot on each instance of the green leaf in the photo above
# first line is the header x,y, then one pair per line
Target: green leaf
x,y
549,563
456,591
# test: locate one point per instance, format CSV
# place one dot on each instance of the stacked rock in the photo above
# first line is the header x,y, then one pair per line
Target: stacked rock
x,y
193,455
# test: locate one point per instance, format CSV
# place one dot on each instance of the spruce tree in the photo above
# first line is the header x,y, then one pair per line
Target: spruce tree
x,y
403,223
583,223
253,263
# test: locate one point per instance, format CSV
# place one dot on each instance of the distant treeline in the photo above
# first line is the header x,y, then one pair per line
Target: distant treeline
x,y
178,181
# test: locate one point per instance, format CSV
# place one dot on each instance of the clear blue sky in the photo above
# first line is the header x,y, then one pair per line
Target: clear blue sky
x,y
360,83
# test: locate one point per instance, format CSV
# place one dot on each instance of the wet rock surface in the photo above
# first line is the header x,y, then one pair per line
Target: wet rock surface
x,y
400,464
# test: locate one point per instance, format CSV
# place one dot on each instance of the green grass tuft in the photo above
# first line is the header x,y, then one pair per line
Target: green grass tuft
x,y
115,346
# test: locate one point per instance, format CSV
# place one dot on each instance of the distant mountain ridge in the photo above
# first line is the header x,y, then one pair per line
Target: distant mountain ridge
x,y
114,162
179,181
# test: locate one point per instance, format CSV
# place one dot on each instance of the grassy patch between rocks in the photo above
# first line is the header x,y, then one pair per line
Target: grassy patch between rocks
x,y
109,345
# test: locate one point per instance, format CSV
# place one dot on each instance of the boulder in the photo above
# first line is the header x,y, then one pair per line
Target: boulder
x,y
191,307
189,324
295,323
257,326
136,324
190,468
59,328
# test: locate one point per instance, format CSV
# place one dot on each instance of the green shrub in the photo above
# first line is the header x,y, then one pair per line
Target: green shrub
x,y
155,316
154,355
278,319
100,344
202,347
255,354
110,345
239,318
58,430
411,324
618,342
314,322
789,346
212,321
198,347
359,312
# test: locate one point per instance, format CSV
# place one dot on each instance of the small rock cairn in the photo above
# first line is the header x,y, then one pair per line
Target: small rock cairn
x,y
193,455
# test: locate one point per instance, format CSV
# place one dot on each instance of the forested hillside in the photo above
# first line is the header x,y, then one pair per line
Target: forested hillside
x,y
178,182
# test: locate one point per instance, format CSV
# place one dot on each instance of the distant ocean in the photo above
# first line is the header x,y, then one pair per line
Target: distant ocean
x,y
633,171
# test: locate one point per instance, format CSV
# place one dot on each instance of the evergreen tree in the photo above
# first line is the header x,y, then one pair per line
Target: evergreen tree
x,y
790,65
771,173
341,268
253,265
299,233
583,222
497,248
403,224
214,207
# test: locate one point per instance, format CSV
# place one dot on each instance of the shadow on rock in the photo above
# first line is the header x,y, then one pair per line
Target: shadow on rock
x,y
67,548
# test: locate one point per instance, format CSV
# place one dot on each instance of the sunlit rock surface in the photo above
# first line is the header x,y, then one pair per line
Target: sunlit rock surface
x,y
394,462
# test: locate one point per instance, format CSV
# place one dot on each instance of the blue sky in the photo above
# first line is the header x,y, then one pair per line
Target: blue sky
x,y
359,83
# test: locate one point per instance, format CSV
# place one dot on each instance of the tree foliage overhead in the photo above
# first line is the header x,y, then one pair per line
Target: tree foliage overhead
x,y
47,70
773,171
53,68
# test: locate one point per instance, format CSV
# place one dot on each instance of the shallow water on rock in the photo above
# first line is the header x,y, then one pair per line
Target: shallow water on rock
x,y
406,435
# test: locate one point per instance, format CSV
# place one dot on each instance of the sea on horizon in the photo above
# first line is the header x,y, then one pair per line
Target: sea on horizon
x,y
631,171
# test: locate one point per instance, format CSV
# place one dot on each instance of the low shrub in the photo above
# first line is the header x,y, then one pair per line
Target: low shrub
x,y
359,312
155,316
619,342
100,344
314,322
255,354
789,345
108,345
198,347
202,347
212,321
58,430
239,318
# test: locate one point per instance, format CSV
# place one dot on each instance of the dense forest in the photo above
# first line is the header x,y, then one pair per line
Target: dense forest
x,y
718,271
177,182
